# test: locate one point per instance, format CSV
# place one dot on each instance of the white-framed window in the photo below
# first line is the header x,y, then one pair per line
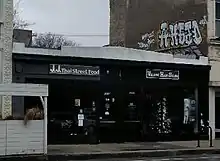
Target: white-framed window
x,y
217,18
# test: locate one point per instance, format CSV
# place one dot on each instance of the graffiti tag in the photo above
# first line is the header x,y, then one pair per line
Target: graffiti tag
x,y
203,21
179,34
146,40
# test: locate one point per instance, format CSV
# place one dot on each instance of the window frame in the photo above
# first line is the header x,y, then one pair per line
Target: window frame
x,y
216,19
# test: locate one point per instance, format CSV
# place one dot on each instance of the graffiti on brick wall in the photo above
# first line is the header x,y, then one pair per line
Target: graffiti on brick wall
x,y
203,21
179,34
172,35
182,34
147,40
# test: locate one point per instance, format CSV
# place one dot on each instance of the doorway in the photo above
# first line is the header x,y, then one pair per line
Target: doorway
x,y
110,113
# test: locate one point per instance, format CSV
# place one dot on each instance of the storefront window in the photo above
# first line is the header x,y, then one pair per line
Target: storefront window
x,y
173,111
90,111
160,123
107,111
189,110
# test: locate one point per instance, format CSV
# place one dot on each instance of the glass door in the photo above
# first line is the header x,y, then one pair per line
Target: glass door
x,y
110,113
85,98
132,120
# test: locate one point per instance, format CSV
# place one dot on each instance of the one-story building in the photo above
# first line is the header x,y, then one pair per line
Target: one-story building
x,y
115,94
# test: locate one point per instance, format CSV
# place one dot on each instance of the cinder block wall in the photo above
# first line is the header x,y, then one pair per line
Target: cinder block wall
x,y
6,55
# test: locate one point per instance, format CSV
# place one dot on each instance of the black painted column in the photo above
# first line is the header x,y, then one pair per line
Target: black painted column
x,y
197,117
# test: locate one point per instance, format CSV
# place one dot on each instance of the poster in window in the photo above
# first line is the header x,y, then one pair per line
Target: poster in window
x,y
77,102
189,111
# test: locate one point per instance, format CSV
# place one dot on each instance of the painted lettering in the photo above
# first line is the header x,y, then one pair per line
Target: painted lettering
x,y
203,21
188,27
179,34
174,35
164,35
197,37
146,40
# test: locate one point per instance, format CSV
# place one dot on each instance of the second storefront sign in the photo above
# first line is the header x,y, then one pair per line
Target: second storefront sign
x,y
162,74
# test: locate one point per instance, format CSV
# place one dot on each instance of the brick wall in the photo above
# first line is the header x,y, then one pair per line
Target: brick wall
x,y
143,18
118,10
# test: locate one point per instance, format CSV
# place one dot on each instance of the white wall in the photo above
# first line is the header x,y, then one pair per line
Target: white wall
x,y
214,46
211,19
212,111
16,138
214,60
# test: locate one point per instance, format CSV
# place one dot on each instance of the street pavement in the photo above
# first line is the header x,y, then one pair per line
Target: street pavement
x,y
143,149
180,158
121,147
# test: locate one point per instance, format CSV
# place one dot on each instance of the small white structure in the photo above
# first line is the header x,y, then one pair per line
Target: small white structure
x,y
17,138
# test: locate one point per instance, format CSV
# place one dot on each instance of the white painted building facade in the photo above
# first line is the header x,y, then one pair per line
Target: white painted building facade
x,y
213,35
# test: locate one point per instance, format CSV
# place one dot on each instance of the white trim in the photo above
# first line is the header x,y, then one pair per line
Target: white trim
x,y
23,89
45,125
212,111
114,53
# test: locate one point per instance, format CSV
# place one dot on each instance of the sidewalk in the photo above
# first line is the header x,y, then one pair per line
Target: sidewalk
x,y
124,150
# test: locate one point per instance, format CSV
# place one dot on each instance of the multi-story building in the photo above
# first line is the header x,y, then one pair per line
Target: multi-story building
x,y
6,28
184,28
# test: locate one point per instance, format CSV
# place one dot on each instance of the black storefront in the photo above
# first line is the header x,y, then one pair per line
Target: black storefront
x,y
117,100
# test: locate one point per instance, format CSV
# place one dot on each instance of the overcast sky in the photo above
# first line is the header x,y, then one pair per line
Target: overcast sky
x,y
69,17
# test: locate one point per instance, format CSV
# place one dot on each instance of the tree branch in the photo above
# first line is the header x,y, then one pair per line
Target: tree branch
x,y
52,41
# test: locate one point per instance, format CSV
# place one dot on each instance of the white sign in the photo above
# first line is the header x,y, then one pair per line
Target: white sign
x,y
80,123
162,74
80,116
74,70
80,119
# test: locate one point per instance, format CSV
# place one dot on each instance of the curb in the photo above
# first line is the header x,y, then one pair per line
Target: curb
x,y
108,155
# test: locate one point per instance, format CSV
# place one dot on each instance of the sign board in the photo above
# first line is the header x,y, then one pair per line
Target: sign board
x,y
162,74
80,119
76,70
